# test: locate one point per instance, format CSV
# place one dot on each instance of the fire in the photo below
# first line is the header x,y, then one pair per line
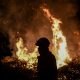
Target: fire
x,y
60,45
59,49
23,55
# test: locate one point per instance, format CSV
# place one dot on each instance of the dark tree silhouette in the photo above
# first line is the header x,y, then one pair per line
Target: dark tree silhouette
x,y
4,51
4,45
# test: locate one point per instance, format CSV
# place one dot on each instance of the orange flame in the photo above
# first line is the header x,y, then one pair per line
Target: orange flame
x,y
59,50
23,55
60,45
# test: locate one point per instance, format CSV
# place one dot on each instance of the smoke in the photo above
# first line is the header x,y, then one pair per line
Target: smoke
x,y
25,17
16,14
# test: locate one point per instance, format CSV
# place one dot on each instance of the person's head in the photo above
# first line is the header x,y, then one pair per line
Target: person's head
x,y
43,44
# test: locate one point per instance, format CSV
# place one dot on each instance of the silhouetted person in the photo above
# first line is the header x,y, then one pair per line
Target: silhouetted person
x,y
47,69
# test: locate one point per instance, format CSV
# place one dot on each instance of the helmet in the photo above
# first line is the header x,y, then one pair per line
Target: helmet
x,y
43,42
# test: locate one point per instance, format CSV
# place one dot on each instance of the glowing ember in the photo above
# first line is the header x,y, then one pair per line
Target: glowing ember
x,y
59,41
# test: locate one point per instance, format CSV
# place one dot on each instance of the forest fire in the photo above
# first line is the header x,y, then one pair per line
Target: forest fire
x,y
59,41
24,22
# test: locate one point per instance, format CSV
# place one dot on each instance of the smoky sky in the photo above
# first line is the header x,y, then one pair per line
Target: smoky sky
x,y
25,17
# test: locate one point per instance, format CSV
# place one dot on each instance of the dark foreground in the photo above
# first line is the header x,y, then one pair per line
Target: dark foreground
x,y
17,71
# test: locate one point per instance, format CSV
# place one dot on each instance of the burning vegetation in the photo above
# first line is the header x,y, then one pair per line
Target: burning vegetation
x,y
59,41
23,55
25,62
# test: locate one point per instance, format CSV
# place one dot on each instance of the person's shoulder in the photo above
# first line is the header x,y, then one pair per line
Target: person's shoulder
x,y
52,55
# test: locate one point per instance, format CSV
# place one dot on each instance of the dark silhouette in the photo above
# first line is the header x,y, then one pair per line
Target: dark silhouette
x,y
47,69
4,45
4,51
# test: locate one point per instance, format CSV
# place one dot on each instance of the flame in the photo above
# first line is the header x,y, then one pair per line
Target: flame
x,y
59,40
23,55
59,49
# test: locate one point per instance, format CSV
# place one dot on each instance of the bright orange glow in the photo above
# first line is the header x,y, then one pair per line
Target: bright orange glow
x,y
59,49
59,40
23,55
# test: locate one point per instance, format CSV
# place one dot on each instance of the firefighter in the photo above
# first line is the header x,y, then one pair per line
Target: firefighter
x,y
47,69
